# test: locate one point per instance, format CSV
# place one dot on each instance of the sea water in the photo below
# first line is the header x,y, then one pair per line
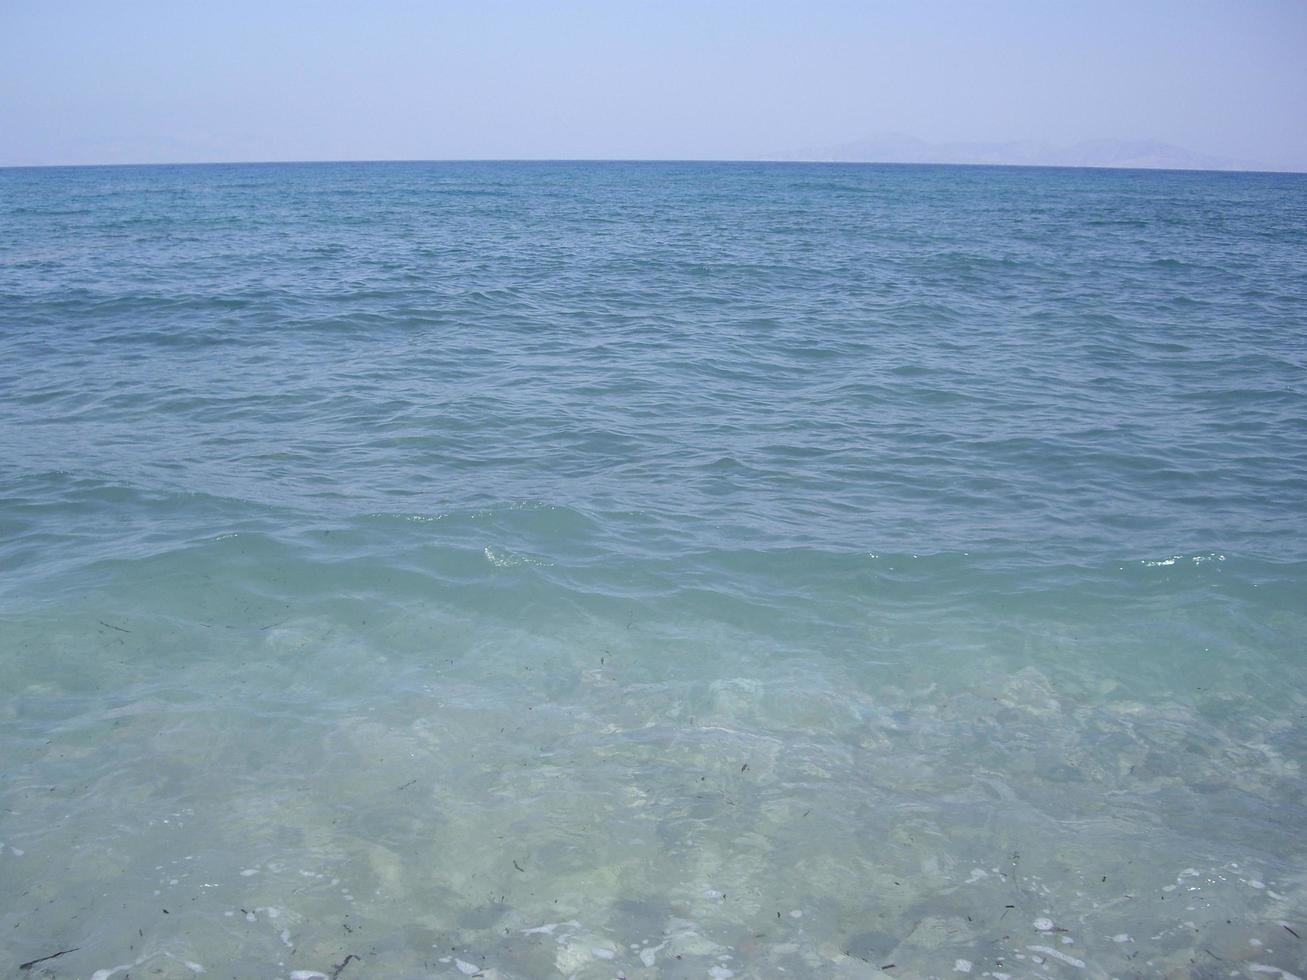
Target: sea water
x,y
652,570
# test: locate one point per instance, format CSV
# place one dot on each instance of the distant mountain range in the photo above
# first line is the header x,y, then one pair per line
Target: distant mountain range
x,y
896,148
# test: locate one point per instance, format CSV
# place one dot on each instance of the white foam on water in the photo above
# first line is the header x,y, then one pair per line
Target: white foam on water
x,y
1264,968
1058,955
548,928
106,974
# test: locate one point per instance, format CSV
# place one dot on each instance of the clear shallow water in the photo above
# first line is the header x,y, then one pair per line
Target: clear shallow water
x,y
652,570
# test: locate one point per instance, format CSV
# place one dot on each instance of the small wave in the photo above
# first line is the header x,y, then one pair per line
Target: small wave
x,y
502,558
1178,559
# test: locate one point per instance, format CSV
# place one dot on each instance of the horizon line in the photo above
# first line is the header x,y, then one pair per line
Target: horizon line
x,y
650,160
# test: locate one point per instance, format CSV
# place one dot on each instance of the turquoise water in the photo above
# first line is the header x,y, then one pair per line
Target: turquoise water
x,y
652,570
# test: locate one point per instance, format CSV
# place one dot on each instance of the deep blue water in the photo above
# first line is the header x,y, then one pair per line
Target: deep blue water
x,y
652,552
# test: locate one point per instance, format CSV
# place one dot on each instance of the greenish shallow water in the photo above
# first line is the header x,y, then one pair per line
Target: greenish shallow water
x,y
649,570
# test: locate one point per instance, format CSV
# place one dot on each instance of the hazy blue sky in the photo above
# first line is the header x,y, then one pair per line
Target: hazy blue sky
x,y
148,80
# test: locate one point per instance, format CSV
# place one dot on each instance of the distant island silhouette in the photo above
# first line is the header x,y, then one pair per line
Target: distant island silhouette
x,y
1126,154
